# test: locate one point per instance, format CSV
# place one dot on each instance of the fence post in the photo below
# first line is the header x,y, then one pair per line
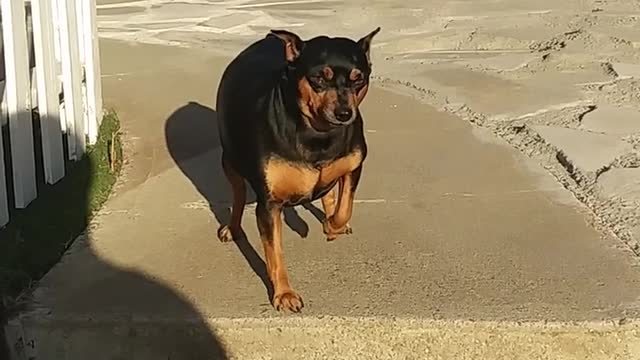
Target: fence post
x,y
18,88
93,79
72,78
4,200
48,98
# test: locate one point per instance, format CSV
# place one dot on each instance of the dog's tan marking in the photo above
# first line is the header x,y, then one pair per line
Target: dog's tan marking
x,y
286,179
339,168
310,100
284,297
329,202
313,103
357,98
361,94
292,43
310,103
355,74
338,222
328,73
329,101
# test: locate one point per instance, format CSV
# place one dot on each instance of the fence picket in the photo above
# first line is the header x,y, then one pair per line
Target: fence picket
x,y
72,78
18,89
64,37
47,85
4,201
92,68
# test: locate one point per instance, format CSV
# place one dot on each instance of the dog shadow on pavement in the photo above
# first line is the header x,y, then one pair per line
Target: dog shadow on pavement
x,y
96,309
191,133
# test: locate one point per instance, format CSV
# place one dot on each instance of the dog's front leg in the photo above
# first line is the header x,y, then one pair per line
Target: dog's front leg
x,y
329,207
329,202
269,216
338,222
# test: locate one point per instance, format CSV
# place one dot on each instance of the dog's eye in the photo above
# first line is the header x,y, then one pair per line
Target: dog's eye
x,y
358,82
317,80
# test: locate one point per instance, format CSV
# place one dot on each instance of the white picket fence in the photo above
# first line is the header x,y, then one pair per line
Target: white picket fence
x,y
52,65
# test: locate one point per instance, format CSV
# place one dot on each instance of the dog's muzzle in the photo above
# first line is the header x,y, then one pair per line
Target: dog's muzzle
x,y
340,116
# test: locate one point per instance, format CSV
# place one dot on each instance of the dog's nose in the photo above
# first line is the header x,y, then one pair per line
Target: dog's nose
x,y
343,115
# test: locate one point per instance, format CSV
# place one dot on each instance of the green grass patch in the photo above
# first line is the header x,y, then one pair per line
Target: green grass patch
x,y
36,237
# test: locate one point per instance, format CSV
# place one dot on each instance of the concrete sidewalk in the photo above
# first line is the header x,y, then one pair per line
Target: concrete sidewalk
x,y
462,247
559,80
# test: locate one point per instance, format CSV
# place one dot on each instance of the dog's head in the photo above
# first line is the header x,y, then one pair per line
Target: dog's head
x,y
332,76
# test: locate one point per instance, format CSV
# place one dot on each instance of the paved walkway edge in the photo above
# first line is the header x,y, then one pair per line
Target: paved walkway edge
x,y
326,337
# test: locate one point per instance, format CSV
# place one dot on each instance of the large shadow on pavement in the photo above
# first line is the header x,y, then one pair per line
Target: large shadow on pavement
x,y
99,311
191,134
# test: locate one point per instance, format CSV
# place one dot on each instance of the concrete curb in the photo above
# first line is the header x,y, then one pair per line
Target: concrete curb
x,y
318,338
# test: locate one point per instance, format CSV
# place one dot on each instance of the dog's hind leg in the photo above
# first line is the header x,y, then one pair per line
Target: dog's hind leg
x,y
232,230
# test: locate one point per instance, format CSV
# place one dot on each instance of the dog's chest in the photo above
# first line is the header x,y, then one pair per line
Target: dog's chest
x,y
291,182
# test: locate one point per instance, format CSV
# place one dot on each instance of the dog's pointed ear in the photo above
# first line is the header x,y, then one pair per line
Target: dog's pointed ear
x,y
293,45
365,43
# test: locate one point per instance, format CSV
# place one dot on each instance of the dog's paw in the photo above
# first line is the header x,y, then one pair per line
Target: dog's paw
x,y
333,232
225,234
288,300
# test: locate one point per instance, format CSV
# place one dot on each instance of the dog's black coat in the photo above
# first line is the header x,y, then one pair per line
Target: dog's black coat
x,y
259,116
290,126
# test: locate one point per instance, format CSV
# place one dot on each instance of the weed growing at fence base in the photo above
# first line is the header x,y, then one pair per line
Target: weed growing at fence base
x,y
36,237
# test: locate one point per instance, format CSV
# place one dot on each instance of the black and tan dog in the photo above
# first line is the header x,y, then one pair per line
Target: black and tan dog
x,y
290,126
